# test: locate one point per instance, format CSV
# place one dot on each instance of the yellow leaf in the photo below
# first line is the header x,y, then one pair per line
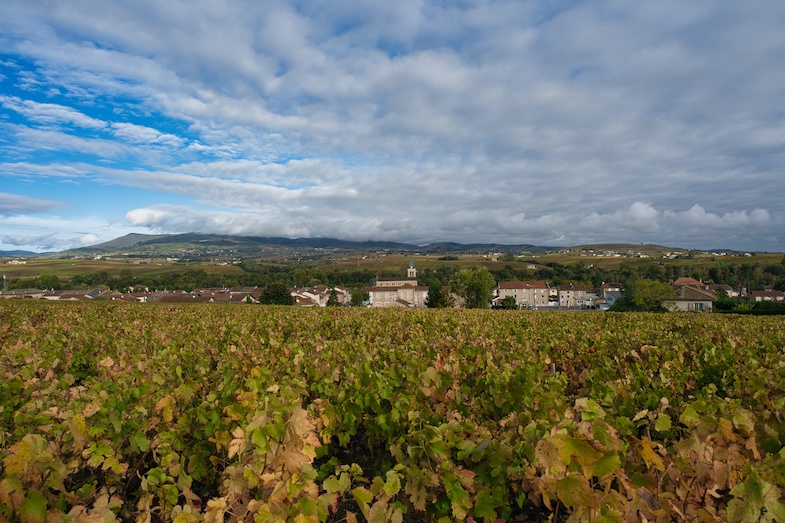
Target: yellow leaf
x,y
651,458
23,455
12,494
378,512
237,445
725,427
166,407
78,428
302,518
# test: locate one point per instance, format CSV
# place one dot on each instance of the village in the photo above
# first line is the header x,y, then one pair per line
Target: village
x,y
689,294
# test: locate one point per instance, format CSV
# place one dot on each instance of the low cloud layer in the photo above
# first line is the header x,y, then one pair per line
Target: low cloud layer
x,y
495,121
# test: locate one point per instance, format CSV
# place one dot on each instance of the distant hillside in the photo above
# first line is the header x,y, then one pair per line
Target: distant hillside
x,y
212,246
129,240
479,248
18,254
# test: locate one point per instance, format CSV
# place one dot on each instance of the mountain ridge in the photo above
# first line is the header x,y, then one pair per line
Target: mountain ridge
x,y
201,245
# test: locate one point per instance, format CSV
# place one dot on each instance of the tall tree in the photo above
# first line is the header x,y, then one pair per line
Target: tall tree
x,y
434,298
360,298
332,301
475,286
644,296
276,293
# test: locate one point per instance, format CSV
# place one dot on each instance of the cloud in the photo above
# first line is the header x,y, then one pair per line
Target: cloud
x,y
697,217
140,134
483,121
640,222
11,204
46,113
50,242
88,239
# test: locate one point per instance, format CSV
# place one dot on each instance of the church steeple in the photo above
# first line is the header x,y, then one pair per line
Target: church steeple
x,y
411,272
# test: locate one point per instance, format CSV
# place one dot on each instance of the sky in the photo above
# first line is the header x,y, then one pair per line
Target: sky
x,y
548,122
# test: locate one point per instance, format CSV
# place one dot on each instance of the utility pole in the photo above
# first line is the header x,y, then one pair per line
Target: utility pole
x,y
5,284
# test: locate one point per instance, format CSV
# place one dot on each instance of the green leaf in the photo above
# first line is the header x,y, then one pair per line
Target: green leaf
x,y
742,419
663,422
590,409
33,509
332,485
579,449
438,450
574,491
140,442
486,503
690,416
362,495
606,464
465,448
393,484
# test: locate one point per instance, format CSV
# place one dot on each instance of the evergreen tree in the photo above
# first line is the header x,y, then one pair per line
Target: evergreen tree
x,y
434,299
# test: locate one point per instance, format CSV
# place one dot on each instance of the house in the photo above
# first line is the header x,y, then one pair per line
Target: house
x,y
71,295
398,292
691,295
303,301
319,295
530,294
22,293
727,289
571,296
767,295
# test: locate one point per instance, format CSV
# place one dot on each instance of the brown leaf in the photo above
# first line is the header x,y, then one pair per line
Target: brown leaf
x,y
294,459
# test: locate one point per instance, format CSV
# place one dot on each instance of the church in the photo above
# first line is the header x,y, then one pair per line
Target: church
x,y
398,292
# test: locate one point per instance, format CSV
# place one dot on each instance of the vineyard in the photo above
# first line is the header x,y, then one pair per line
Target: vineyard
x,y
211,413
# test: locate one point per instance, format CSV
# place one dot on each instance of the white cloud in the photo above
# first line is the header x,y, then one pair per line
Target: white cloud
x,y
46,113
140,134
89,239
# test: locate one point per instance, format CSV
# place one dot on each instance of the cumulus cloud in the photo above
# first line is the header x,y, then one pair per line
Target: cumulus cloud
x,y
697,217
88,239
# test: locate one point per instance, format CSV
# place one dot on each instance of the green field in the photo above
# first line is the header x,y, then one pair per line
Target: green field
x,y
212,413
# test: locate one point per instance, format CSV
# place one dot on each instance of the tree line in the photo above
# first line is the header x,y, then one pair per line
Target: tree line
x,y
753,276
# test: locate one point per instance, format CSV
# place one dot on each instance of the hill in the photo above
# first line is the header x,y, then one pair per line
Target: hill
x,y
18,254
197,247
